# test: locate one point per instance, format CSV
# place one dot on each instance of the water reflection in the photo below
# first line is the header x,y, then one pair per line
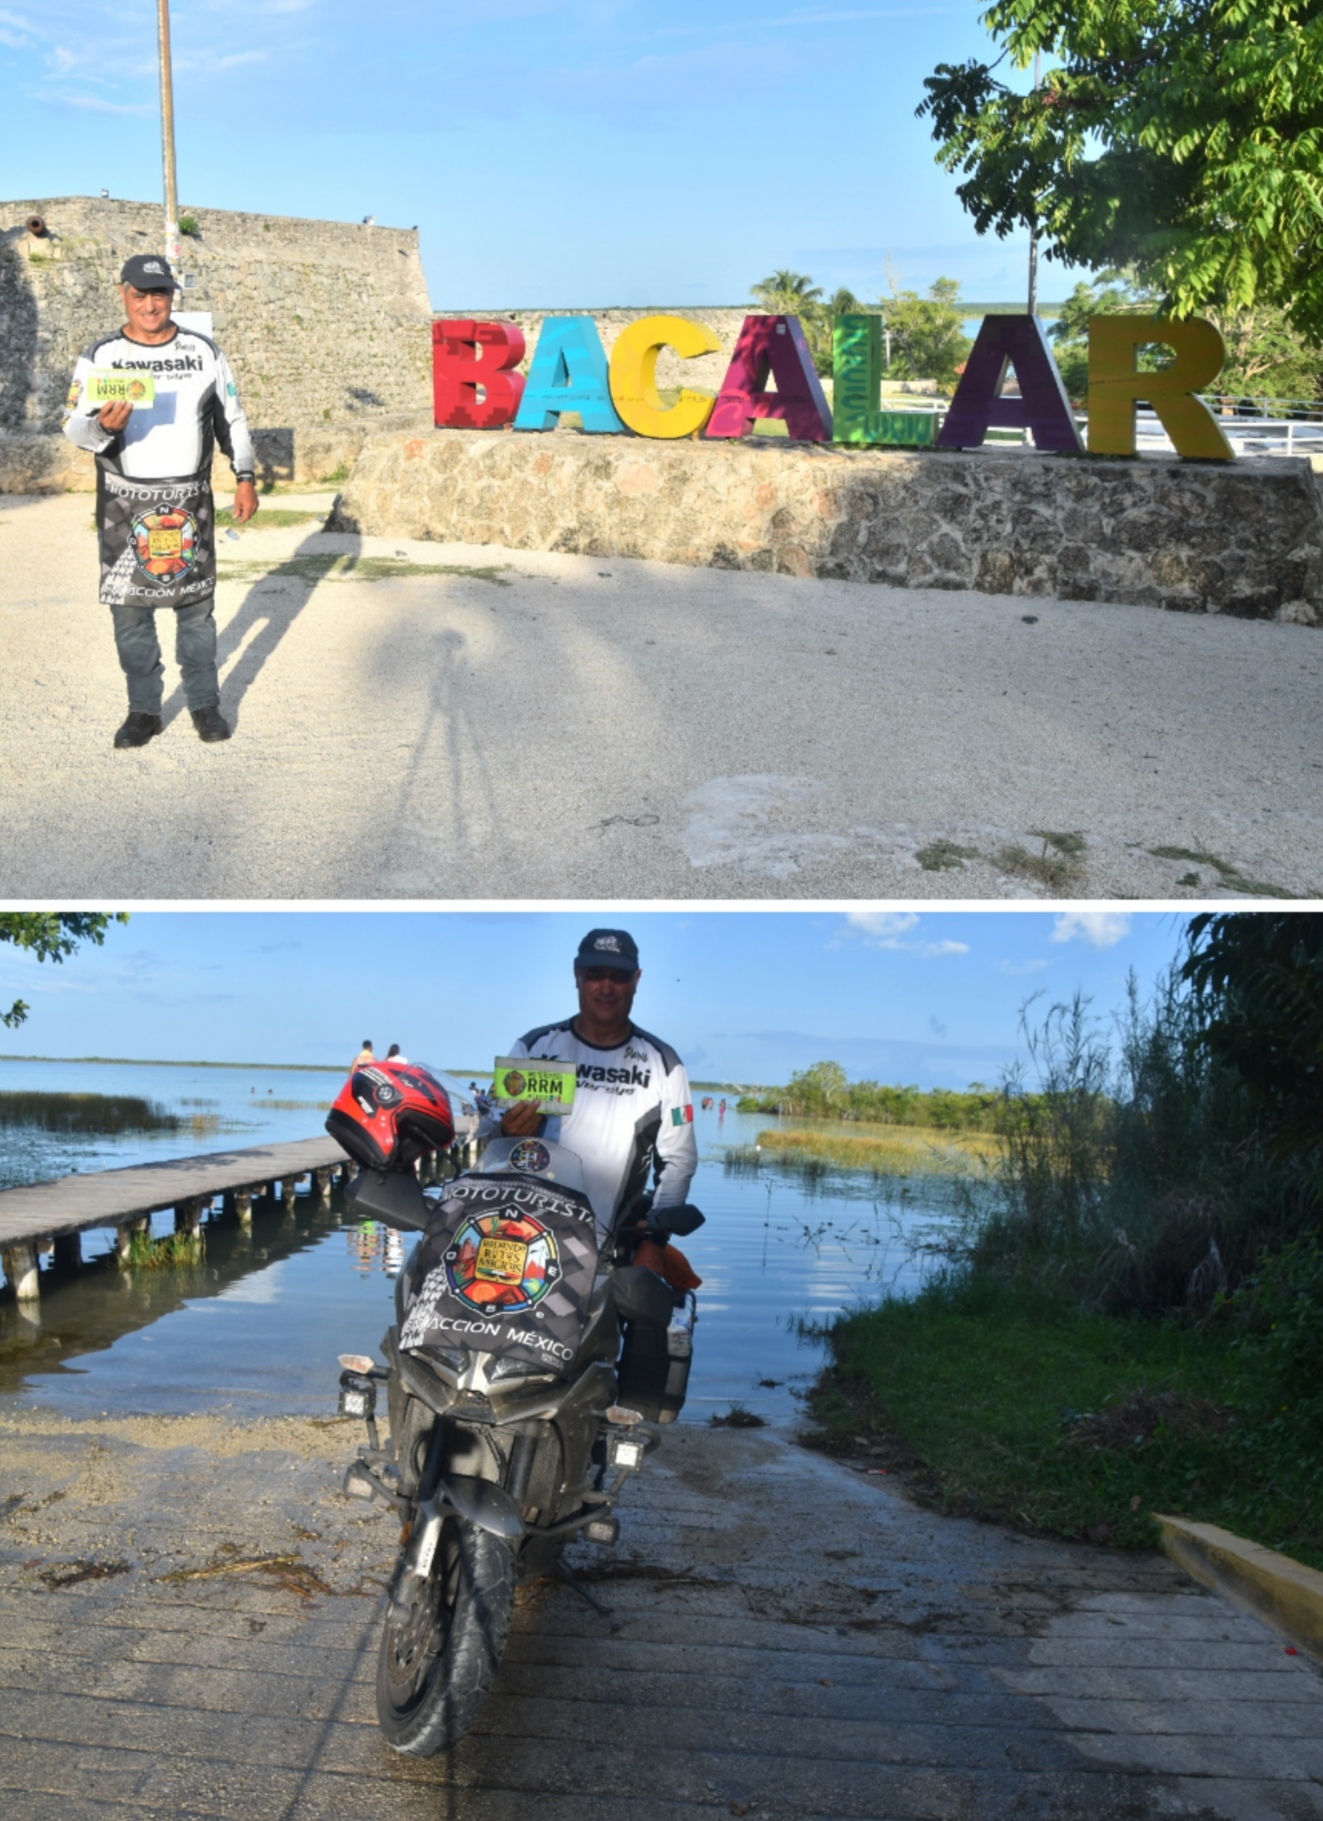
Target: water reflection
x,y
375,1247
258,1324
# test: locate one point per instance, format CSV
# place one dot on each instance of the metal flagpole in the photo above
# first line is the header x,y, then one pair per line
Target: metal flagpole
x,y
1033,225
174,250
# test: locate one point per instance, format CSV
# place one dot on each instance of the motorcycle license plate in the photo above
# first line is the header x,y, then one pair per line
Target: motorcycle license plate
x,y
502,1261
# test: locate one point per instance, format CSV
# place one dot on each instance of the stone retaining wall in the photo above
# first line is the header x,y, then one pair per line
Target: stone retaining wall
x,y
323,320
1241,538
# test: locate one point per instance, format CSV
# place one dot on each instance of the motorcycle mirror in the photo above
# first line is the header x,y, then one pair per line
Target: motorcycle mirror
x,y
681,1221
396,1200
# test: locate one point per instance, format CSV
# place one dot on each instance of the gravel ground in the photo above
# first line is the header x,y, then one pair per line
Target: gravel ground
x,y
189,1620
418,721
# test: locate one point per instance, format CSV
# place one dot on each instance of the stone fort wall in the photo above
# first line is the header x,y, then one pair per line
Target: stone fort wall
x,y
325,322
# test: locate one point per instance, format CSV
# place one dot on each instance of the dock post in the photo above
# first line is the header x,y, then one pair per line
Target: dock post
x,y
243,1208
288,1190
322,1180
21,1271
68,1251
188,1215
124,1235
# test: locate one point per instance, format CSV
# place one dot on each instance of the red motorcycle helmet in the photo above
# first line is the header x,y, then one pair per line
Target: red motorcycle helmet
x,y
388,1114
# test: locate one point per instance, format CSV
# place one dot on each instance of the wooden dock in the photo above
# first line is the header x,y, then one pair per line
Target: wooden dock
x,y
58,1213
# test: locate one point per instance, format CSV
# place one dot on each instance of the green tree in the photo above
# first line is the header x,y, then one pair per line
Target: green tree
x,y
821,1090
786,293
1258,978
927,335
51,936
1266,356
1181,137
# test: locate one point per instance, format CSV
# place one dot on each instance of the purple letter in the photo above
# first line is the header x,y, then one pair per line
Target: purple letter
x,y
1042,407
775,345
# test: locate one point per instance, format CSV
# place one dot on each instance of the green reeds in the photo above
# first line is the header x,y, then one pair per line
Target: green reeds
x,y
897,1151
99,1115
167,1253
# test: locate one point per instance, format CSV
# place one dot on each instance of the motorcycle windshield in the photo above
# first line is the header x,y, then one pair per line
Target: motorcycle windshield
x,y
506,1267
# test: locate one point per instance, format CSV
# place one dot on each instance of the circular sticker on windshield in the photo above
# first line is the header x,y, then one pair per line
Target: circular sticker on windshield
x,y
502,1263
165,543
530,1155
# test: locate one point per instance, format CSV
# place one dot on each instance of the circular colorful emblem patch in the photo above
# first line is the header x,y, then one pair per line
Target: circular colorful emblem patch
x,y
502,1262
530,1155
165,543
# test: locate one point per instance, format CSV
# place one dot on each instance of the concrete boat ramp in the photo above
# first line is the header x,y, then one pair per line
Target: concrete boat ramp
x,y
58,1213
189,1618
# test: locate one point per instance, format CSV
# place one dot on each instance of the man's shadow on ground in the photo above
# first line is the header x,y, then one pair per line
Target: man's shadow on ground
x,y
277,597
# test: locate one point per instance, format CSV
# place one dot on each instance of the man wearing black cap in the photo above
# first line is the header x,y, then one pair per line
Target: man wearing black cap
x,y
151,402
631,1097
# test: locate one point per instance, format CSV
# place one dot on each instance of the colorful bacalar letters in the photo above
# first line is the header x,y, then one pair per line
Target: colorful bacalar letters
x,y
771,375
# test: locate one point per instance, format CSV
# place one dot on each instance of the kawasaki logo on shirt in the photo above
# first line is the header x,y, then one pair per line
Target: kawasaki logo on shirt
x,y
181,363
682,1115
635,1078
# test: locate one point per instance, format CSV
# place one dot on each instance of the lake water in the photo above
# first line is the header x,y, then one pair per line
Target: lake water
x,y
256,1328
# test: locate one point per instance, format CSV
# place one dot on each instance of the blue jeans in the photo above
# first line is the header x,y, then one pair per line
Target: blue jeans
x,y
195,653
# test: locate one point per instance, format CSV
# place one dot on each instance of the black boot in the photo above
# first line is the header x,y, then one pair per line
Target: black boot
x,y
210,723
138,729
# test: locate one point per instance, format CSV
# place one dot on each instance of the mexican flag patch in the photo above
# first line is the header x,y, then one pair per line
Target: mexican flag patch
x,y
682,1115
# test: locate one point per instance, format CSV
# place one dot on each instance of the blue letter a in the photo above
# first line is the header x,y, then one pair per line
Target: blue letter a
x,y
568,373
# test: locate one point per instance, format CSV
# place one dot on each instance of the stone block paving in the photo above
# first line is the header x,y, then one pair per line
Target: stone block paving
x,y
189,1622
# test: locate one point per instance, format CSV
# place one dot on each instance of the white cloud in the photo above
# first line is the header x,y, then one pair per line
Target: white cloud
x,y
882,928
887,929
1102,929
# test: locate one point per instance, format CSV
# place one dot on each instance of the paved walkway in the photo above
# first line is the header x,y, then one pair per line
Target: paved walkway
x,y
442,722
188,1615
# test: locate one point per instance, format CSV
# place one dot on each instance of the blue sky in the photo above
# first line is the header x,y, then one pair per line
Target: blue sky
x,y
554,152
931,998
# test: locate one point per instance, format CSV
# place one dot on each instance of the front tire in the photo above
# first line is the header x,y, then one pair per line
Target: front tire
x,y
439,1659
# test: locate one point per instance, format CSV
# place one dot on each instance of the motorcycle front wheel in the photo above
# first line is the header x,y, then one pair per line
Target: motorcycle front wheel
x,y
439,1656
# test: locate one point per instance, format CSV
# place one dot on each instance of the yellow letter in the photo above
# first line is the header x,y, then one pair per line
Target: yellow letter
x,y
634,375
1115,387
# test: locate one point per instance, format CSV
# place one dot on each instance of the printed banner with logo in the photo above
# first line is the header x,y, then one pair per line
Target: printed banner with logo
x,y
158,541
507,1267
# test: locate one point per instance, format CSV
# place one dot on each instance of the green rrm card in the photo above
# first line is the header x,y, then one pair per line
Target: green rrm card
x,y
106,386
551,1084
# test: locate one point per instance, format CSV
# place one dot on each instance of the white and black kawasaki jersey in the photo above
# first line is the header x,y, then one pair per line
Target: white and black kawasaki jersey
x,y
631,1106
196,406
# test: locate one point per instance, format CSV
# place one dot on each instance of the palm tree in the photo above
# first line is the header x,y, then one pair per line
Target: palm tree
x,y
786,293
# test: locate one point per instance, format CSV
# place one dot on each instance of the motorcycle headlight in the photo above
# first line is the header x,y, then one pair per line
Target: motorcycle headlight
x,y
358,1395
515,1368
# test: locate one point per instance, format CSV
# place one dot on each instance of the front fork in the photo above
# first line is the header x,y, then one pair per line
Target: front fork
x,y
626,1441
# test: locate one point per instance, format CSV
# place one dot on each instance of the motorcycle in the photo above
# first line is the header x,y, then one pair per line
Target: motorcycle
x,y
515,1415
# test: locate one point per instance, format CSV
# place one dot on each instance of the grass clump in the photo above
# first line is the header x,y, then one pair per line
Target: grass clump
x,y
1057,864
270,518
168,1253
739,1416
943,856
1227,874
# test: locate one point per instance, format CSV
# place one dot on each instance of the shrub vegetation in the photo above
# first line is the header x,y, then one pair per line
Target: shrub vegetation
x,y
1134,1320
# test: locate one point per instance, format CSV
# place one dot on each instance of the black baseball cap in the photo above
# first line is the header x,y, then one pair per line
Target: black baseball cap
x,y
148,272
613,948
